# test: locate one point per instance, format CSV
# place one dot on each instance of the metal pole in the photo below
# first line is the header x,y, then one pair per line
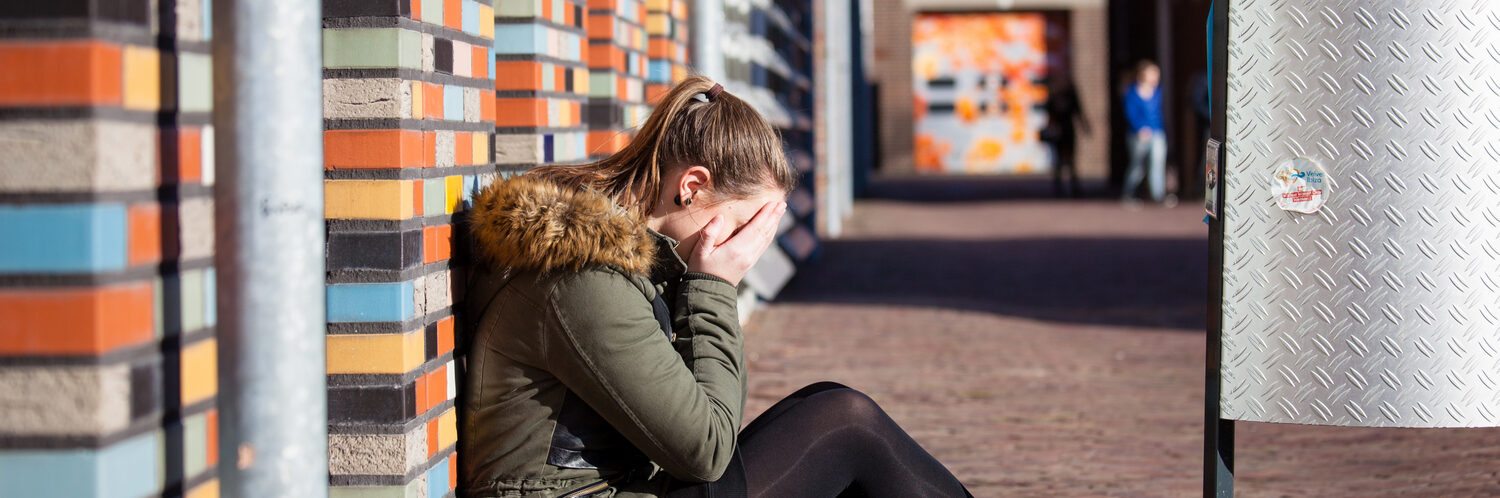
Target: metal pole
x,y
268,214
1218,433
708,26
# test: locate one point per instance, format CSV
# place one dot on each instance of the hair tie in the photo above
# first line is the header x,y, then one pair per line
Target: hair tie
x,y
713,93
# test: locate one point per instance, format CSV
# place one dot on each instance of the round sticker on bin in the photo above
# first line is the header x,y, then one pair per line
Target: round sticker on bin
x,y
1300,185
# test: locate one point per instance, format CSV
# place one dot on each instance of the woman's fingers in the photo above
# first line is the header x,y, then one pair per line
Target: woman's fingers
x,y
711,236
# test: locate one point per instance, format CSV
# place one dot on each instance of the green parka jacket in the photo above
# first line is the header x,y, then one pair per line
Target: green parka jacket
x,y
571,378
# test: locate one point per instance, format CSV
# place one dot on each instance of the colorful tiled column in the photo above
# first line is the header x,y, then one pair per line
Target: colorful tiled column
x,y
541,82
617,73
108,378
409,117
666,26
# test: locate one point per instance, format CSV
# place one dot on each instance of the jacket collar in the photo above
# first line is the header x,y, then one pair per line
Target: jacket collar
x,y
529,223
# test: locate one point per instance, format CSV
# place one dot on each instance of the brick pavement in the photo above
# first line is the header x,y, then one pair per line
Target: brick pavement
x,y
1055,348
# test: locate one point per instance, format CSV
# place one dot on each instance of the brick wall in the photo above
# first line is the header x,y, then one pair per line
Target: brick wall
x,y
108,373
409,112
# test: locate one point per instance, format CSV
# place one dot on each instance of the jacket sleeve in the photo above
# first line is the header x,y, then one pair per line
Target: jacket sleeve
x,y
1135,109
609,349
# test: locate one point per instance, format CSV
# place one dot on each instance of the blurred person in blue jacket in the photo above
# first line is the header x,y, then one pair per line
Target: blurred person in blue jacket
x,y
1147,139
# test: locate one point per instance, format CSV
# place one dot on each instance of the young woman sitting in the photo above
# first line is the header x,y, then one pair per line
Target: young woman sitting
x,y
606,356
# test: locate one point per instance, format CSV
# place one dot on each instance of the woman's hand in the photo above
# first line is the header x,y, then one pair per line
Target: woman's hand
x,y
730,259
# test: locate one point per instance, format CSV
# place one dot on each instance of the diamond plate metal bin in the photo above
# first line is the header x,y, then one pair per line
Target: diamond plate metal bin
x,y
1382,307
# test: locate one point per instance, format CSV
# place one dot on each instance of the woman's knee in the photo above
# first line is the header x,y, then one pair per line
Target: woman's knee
x,y
848,403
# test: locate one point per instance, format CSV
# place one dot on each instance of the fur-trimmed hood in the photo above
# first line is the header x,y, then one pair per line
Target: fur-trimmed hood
x,y
524,222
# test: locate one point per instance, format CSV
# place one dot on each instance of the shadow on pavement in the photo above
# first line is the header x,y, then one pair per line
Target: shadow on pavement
x,y
976,188
1107,281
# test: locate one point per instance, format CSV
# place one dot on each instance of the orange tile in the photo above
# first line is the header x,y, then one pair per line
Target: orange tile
x,y
602,56
367,149
655,92
577,114
429,149
61,73
189,155
559,78
601,27
444,234
453,14
568,17
417,197
659,48
453,470
75,320
437,386
520,112
423,399
463,149
602,4
145,233
416,10
429,244
212,418
432,94
432,437
444,336
480,61
487,108
518,75
546,8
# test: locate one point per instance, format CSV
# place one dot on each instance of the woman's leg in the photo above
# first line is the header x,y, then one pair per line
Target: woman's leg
x,y
1136,169
1158,157
827,440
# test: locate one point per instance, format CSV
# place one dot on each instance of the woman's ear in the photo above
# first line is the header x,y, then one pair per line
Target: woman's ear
x,y
693,181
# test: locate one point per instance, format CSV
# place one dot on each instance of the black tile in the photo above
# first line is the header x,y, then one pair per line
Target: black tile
x,y
568,80
365,8
374,250
578,16
431,340
442,55
132,11
372,404
145,389
603,114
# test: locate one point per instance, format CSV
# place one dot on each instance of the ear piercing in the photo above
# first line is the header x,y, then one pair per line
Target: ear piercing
x,y
681,202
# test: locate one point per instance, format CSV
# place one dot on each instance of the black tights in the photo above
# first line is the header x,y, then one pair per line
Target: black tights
x,y
828,440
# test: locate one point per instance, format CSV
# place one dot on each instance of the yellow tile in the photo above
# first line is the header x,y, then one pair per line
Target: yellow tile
x,y
375,353
658,4
581,81
481,147
455,192
657,23
416,99
142,78
486,21
447,429
200,371
208,489
367,199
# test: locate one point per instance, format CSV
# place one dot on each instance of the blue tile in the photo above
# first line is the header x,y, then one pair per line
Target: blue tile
x,y
210,297
471,17
490,55
68,238
208,19
661,72
386,302
453,103
437,479
126,469
520,39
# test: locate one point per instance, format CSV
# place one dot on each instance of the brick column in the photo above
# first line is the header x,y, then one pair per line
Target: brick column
x,y
409,118
541,85
617,73
108,375
666,25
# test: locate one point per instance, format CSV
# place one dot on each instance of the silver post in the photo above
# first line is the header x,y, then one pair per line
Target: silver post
x,y
707,26
269,218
